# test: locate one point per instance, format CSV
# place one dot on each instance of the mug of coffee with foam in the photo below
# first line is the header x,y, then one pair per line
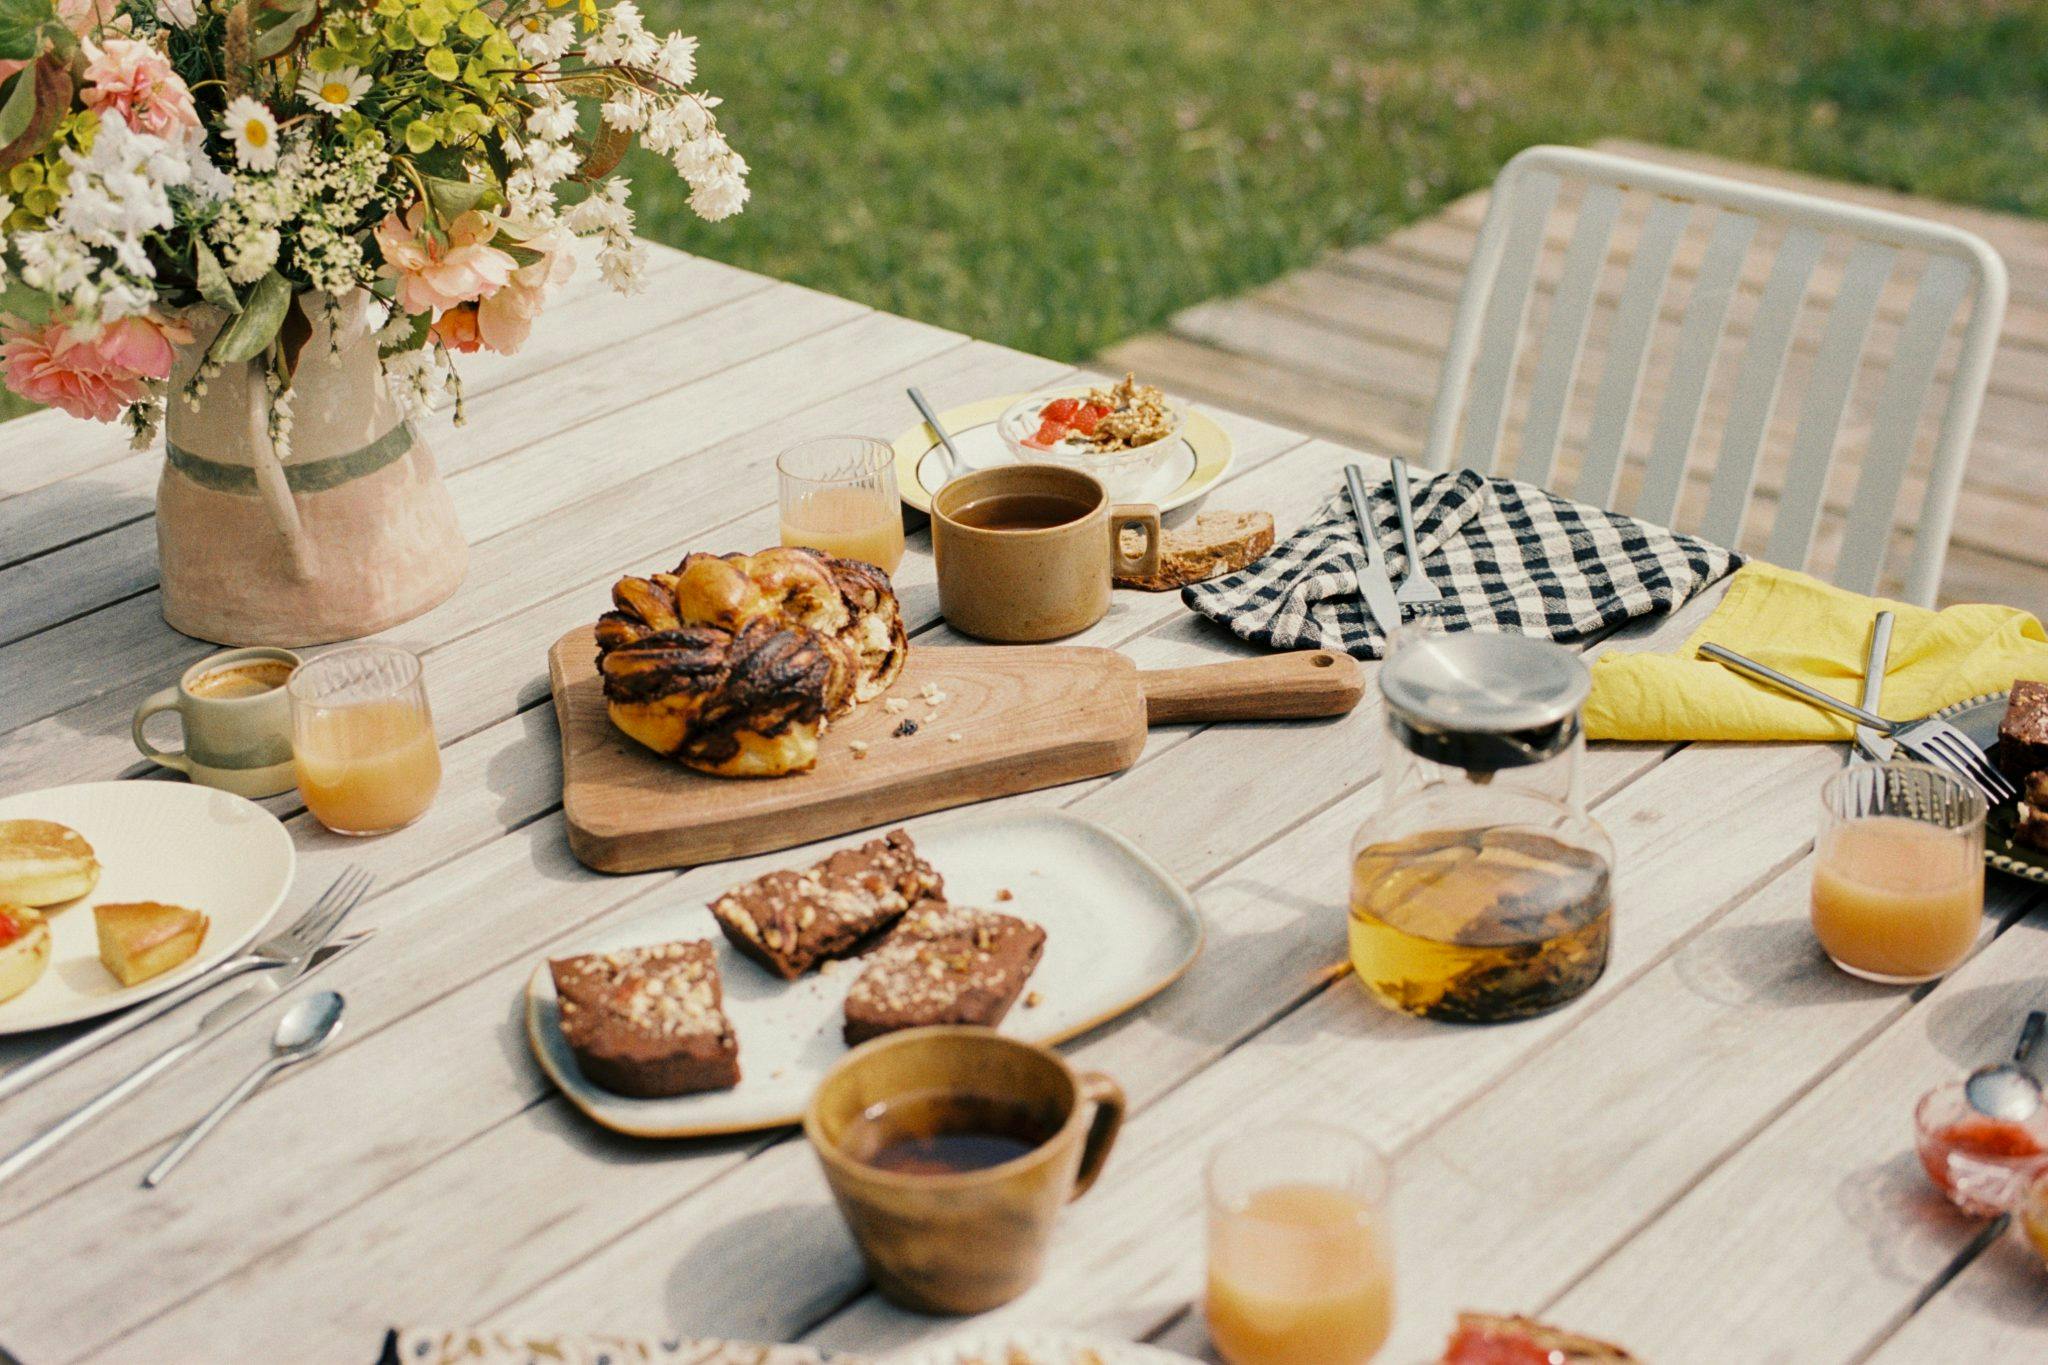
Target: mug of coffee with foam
x,y
237,719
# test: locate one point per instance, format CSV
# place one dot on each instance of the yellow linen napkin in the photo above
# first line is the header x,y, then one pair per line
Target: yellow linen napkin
x,y
1820,634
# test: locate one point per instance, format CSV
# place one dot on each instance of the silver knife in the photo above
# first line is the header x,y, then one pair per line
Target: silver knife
x,y
216,1021
1869,743
1374,583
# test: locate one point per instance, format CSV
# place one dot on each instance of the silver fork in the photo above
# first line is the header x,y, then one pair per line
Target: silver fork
x,y
1930,741
287,948
1415,588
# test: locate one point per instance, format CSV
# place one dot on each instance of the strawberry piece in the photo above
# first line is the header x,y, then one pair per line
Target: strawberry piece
x,y
1060,410
1089,414
1048,435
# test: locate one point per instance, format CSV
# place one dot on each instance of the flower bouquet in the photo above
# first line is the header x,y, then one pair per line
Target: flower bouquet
x,y
235,215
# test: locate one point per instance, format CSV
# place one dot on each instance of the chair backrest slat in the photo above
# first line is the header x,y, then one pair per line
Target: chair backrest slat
x,y
1564,332
1826,400
1501,337
1896,423
1728,430
1628,348
1757,383
1699,337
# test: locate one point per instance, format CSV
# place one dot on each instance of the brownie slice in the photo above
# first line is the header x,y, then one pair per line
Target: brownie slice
x,y
649,1021
2023,734
789,922
2032,827
944,964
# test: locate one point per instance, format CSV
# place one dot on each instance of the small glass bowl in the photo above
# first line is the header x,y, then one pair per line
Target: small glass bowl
x,y
1980,1182
1122,472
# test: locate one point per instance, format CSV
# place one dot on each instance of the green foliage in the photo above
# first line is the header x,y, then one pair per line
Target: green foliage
x,y
1059,174
25,25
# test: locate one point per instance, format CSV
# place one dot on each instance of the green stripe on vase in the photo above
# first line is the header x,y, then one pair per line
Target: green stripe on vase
x,y
314,476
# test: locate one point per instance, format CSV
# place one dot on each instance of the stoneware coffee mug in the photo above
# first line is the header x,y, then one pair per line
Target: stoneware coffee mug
x,y
237,719
1040,576
961,1241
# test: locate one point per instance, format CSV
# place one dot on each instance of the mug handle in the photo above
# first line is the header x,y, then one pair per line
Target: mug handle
x,y
166,700
1146,563
1108,1098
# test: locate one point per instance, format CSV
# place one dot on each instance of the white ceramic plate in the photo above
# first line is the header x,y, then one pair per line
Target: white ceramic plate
x,y
1043,1348
156,841
1118,929
1201,457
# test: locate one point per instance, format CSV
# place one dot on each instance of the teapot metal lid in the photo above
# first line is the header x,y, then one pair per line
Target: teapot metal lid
x,y
1482,700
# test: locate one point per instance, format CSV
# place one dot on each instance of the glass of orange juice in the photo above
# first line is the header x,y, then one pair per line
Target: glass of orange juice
x,y
1898,873
1301,1268
839,496
363,739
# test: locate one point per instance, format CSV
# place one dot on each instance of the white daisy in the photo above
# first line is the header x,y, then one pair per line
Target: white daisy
x,y
253,131
333,92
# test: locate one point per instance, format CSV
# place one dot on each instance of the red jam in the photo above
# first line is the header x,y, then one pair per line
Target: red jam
x,y
1977,1136
1063,417
10,928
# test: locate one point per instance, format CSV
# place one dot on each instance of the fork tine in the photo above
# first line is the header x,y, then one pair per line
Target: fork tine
x,y
334,903
1965,759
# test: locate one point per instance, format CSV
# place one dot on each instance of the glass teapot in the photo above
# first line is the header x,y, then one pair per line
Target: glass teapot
x,y
1481,891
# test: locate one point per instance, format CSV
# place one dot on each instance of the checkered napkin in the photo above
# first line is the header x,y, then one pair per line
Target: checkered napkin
x,y
1507,556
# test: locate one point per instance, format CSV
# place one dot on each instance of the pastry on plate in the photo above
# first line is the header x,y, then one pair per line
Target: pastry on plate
x,y
943,964
44,863
648,1022
1490,1339
24,949
738,664
790,921
142,939
2023,732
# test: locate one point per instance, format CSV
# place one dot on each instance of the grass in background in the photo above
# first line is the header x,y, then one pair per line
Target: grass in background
x,y
1060,174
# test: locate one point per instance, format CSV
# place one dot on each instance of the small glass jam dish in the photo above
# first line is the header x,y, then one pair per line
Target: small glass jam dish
x,y
2033,1219
1124,473
1984,1165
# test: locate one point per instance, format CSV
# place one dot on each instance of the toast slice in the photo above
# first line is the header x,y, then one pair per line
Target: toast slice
x,y
1213,543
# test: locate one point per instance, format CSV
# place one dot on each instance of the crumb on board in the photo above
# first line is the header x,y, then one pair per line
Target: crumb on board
x,y
1006,894
1031,1001
895,706
859,747
953,738
904,728
931,694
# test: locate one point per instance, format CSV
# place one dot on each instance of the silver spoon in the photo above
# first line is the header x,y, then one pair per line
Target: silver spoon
x,y
954,464
2005,1091
305,1029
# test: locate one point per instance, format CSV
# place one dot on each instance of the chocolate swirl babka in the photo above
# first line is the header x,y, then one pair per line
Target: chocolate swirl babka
x,y
736,664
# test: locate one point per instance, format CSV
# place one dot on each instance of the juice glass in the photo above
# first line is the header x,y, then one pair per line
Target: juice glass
x,y
1898,874
839,496
1300,1266
363,739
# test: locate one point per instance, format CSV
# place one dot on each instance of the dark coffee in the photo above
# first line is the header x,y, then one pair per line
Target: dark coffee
x,y
1021,512
945,1132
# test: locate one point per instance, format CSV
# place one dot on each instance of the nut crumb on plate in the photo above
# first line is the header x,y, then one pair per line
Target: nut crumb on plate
x,y
1005,894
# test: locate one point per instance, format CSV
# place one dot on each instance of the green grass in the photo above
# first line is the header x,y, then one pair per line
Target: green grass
x,y
1051,175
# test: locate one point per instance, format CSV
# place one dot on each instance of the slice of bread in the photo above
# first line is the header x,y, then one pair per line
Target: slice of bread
x,y
44,863
1213,543
142,939
24,949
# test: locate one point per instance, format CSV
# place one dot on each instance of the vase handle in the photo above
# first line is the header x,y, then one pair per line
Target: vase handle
x,y
273,488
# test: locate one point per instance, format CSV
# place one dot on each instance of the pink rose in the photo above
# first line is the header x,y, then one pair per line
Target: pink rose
x,y
95,376
433,277
135,81
506,317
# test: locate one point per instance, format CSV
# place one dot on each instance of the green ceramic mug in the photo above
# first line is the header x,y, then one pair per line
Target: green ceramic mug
x,y
237,719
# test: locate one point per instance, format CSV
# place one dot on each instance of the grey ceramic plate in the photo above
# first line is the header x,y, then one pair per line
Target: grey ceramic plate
x,y
1978,718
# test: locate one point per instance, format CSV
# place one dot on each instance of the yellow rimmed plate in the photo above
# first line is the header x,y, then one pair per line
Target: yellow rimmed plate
x,y
1119,929
1202,456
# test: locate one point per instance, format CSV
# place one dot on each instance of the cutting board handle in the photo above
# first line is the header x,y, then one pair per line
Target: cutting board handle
x,y
1308,682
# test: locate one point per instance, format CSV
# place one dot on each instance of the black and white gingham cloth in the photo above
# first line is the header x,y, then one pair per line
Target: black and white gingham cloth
x,y
1507,556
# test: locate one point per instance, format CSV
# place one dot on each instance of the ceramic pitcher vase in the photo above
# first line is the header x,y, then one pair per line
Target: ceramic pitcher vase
x,y
351,532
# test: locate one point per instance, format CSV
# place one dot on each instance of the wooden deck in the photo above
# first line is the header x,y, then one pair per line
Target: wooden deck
x,y
1350,349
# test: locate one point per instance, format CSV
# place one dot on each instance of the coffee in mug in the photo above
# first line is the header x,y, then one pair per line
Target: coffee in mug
x,y
950,1151
237,719
1027,552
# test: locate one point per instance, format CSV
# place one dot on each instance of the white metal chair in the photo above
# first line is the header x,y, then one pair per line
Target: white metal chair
x,y
1485,370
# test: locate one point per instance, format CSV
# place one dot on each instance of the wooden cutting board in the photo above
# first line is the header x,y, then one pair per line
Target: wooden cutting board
x,y
1014,719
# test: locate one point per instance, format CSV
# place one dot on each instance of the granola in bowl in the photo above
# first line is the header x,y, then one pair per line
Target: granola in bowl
x,y
1118,432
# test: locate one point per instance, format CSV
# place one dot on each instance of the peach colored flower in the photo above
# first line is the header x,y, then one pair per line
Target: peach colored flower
x,y
457,330
506,317
433,277
135,81
81,17
94,376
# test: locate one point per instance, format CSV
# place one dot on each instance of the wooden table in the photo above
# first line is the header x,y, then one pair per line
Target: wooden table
x,y
1707,1158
